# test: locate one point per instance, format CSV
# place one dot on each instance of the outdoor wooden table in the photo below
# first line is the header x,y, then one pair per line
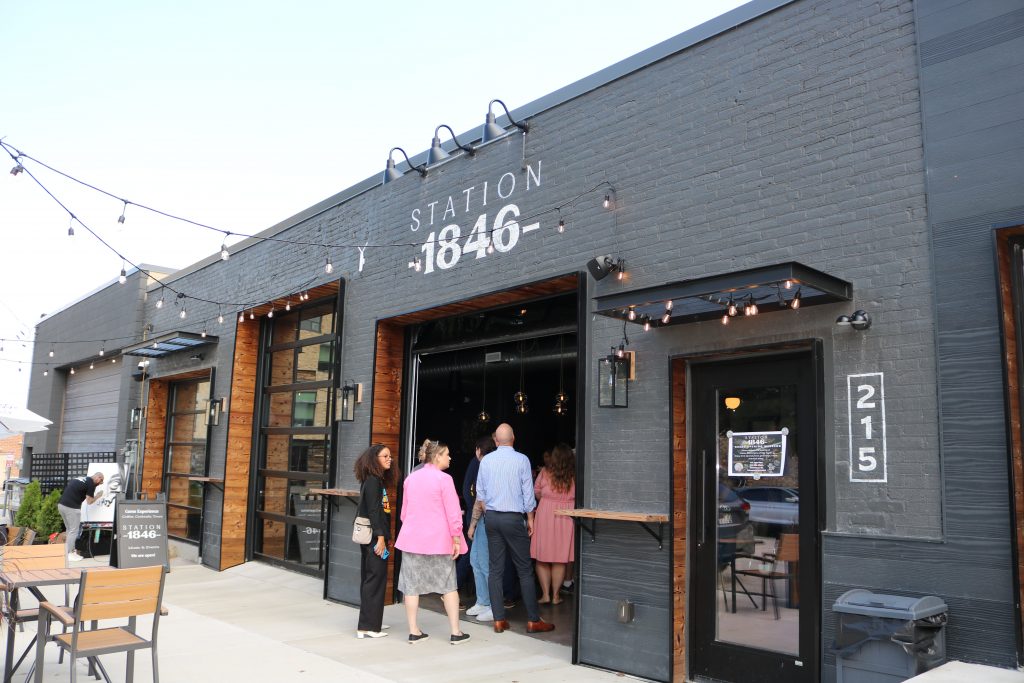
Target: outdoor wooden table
x,y
32,580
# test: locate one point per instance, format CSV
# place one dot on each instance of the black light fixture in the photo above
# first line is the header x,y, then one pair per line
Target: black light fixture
x,y
613,381
347,398
860,320
492,130
519,398
482,416
601,266
561,398
136,417
214,406
437,154
392,173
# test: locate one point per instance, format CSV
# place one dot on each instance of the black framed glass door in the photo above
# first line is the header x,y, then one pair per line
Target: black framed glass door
x,y
296,419
755,607
185,456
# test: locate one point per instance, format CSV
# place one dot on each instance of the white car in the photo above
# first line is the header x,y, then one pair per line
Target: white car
x,y
775,505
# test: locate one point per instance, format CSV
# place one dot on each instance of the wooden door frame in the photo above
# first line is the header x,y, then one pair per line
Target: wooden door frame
x,y
680,512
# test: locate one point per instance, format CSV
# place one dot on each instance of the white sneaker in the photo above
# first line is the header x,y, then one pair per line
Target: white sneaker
x,y
476,609
74,557
486,615
370,634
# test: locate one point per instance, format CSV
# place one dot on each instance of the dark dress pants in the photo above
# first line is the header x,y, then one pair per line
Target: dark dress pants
x,y
510,538
373,574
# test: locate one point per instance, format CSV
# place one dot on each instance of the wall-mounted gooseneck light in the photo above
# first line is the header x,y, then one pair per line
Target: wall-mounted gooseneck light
x,y
392,173
492,130
437,154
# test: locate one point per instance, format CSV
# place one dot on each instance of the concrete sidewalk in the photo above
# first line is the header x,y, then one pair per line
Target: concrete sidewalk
x,y
260,623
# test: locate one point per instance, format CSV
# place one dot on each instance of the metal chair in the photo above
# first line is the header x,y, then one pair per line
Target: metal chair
x,y
107,594
787,552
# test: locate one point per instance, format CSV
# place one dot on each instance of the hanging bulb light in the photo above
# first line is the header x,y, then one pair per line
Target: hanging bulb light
x,y
123,277
113,361
220,317
18,168
631,314
51,351
415,264
72,371
665,318
607,201
224,253
561,225
669,305
203,333
732,307
71,227
788,284
92,365
123,209
287,305
725,319
490,244
45,372
183,314
271,313
160,303
328,267
647,323
241,316
103,350
252,314
795,303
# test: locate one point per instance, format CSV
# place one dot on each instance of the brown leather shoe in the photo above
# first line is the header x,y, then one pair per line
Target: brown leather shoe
x,y
539,626
501,625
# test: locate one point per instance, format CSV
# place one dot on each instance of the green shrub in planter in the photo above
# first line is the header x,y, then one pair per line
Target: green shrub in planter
x,y
48,520
31,501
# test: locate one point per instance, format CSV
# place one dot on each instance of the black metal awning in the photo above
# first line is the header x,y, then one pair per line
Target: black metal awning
x,y
771,288
168,343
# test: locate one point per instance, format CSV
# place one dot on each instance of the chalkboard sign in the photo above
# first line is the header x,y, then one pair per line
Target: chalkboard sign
x,y
309,535
757,454
140,528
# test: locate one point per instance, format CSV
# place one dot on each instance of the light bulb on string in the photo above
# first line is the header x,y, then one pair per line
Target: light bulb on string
x,y
561,225
271,313
732,307
725,319
103,350
71,227
72,371
241,316
123,277
631,314
45,373
287,305
647,324
120,218
220,317
490,244
666,318
92,365
328,267
203,333
416,264
18,168
183,314
113,361
160,303
51,351
607,201
252,314
224,253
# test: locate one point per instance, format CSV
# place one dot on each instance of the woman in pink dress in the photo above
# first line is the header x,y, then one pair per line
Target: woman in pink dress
x,y
552,544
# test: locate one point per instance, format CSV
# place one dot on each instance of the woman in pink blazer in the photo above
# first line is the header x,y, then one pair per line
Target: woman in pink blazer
x,y
431,539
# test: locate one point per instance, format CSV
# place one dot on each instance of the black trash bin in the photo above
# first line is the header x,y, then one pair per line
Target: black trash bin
x,y
887,638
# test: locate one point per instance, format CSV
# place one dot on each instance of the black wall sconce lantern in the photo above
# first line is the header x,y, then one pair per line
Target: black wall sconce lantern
x,y
348,396
860,320
136,416
613,381
213,410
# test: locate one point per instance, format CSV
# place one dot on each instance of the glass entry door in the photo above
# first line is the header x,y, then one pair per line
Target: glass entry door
x,y
185,456
296,414
755,610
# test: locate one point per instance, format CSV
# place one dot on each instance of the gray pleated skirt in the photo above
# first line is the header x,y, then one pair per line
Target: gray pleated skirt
x,y
422,574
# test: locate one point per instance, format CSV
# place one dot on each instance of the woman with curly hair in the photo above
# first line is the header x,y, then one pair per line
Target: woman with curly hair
x,y
374,473
552,544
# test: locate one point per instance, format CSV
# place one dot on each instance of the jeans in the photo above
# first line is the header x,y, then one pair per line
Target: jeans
x,y
73,523
480,560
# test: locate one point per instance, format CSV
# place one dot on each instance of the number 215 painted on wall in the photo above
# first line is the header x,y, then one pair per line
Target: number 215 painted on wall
x,y
865,396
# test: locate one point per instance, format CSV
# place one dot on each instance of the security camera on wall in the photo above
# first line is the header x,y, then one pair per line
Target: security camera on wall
x,y
600,266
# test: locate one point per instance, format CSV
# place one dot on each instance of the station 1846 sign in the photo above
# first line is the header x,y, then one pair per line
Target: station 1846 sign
x,y
757,454
141,533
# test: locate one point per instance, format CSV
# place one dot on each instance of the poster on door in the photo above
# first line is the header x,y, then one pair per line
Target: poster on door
x,y
757,454
311,508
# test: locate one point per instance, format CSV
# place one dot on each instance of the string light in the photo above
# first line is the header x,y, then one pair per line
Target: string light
x,y
113,361
725,319
103,350
561,225
203,333
287,305
224,254
731,310
241,316
607,201
647,324
220,316
183,314
271,313
18,168
120,218
72,371
51,351
631,315
416,264
71,227
123,277
91,365
160,303
795,303
252,314
328,267
45,372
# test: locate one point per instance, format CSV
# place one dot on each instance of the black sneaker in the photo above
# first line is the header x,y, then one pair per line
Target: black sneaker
x,y
461,638
509,603
416,639
567,589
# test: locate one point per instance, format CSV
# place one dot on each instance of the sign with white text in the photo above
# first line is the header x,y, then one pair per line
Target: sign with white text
x,y
140,529
865,396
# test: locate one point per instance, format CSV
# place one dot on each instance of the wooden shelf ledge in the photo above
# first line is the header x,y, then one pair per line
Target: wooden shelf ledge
x,y
641,518
211,480
336,494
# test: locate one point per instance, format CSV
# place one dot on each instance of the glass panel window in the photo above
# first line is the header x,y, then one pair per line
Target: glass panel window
x,y
298,408
279,493
310,363
185,454
297,453
187,459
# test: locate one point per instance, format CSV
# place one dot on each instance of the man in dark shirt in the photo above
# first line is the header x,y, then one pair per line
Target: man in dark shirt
x,y
79,490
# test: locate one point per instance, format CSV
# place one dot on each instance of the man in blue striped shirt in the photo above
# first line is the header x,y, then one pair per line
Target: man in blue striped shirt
x,y
505,486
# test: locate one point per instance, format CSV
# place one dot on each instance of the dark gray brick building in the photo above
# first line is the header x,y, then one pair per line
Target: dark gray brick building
x,y
816,158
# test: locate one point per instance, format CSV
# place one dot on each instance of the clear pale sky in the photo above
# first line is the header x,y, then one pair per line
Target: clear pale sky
x,y
241,114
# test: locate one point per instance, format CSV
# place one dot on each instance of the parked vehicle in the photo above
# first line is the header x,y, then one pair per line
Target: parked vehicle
x,y
734,527
772,507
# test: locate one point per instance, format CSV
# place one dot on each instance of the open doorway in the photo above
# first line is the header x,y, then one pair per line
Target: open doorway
x,y
469,373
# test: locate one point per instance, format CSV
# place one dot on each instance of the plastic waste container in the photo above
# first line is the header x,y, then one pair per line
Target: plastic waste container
x,y
887,638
